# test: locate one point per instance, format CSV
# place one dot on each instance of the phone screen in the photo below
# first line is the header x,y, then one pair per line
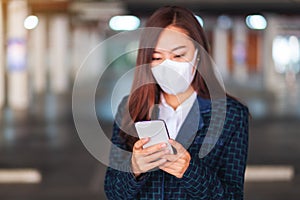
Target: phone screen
x,y
156,130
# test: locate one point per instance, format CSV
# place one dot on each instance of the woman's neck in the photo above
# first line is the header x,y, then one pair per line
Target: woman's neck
x,y
175,100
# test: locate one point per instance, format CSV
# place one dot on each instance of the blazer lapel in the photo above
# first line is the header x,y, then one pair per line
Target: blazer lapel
x,y
193,122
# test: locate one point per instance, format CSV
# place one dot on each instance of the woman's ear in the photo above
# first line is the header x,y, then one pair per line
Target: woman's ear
x,y
197,57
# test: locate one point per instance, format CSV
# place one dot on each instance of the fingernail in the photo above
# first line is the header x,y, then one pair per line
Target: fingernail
x,y
167,151
164,145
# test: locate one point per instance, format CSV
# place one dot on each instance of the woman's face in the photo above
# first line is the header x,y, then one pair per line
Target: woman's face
x,y
173,44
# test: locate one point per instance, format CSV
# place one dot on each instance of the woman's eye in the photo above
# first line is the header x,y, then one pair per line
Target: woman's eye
x,y
156,58
179,56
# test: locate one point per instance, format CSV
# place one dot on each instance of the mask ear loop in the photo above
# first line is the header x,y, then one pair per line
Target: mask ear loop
x,y
195,61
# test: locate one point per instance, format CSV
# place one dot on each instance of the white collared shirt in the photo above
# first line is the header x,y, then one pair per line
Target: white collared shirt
x,y
175,118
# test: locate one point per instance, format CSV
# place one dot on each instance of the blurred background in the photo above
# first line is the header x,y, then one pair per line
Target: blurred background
x,y
43,43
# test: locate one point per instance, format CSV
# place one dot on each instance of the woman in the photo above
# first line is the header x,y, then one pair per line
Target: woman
x,y
172,86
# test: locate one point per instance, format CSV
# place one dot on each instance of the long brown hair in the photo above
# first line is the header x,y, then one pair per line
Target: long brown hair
x,y
145,92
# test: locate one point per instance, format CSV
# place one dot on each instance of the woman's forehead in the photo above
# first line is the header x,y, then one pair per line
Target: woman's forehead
x,y
172,38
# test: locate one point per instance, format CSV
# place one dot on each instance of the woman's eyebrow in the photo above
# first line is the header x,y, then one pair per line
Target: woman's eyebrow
x,y
156,51
179,47
172,50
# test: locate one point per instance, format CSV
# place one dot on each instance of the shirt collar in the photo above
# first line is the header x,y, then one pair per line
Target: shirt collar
x,y
204,104
188,102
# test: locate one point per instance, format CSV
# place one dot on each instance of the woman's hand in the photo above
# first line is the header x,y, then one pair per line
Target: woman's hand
x,y
146,159
178,163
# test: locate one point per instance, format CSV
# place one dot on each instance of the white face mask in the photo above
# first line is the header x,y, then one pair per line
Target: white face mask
x,y
174,77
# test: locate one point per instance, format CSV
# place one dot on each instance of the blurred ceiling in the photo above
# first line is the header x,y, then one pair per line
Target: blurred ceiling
x,y
219,6
145,7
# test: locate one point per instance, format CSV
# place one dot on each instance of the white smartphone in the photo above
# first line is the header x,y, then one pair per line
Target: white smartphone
x,y
156,130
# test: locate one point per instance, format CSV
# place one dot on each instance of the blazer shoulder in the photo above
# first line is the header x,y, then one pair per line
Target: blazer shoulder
x,y
121,109
236,107
124,101
236,111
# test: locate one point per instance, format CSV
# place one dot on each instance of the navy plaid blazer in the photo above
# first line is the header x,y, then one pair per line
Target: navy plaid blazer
x,y
217,175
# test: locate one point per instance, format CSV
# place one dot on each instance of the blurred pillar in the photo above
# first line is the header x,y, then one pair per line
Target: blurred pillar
x,y
18,94
220,47
81,47
88,51
58,44
38,55
96,58
272,80
239,50
2,71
